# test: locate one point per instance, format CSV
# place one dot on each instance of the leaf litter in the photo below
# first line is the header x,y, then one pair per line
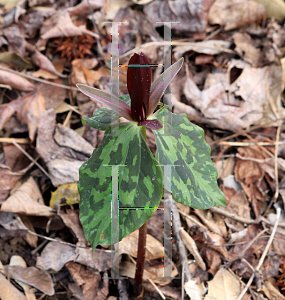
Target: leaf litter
x,y
232,85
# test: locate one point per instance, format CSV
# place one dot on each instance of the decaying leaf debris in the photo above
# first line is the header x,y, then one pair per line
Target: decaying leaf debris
x,y
231,84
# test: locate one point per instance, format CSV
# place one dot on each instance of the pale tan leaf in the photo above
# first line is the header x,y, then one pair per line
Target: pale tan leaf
x,y
274,9
61,25
129,245
236,13
191,246
224,286
8,291
27,200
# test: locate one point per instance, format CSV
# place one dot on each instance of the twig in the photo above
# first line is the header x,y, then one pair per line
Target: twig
x,y
10,140
263,254
39,80
253,241
58,241
243,220
258,145
30,158
273,200
276,160
246,144
43,244
232,216
245,131
192,219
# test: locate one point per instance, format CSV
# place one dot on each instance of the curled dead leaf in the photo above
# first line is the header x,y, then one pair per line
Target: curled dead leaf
x,y
15,81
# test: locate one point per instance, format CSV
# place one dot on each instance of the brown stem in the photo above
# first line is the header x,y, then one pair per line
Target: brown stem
x,y
140,260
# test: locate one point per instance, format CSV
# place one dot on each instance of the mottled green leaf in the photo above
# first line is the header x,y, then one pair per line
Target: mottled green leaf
x,y
103,117
140,184
194,176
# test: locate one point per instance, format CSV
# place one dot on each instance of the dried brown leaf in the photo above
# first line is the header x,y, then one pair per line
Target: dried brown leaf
x,y
89,281
224,286
16,81
60,25
31,111
62,166
39,279
8,291
129,245
16,41
67,137
8,180
31,239
52,256
42,61
27,200
71,220
84,7
236,13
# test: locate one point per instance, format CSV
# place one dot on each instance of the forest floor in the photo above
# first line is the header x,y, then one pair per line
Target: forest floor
x,y
231,84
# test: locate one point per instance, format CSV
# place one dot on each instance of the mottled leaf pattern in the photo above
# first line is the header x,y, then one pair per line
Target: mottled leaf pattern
x,y
194,178
103,117
140,184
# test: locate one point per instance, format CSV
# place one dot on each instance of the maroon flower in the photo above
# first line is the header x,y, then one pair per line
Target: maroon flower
x,y
144,95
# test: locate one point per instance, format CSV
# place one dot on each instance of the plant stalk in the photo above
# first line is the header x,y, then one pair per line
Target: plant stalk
x,y
140,261
141,252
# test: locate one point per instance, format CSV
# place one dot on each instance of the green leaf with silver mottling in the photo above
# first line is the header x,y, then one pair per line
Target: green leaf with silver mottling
x,y
140,184
194,176
103,117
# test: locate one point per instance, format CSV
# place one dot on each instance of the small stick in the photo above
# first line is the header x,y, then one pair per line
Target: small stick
x,y
243,220
245,131
58,241
273,200
232,216
263,254
10,140
192,219
246,144
30,158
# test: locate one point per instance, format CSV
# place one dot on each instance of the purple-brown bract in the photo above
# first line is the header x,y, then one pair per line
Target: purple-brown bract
x,y
144,95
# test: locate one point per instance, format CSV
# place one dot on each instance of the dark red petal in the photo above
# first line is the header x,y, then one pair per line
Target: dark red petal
x,y
130,72
139,83
151,124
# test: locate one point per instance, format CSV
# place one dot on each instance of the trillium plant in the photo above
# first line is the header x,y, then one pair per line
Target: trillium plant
x,y
180,144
